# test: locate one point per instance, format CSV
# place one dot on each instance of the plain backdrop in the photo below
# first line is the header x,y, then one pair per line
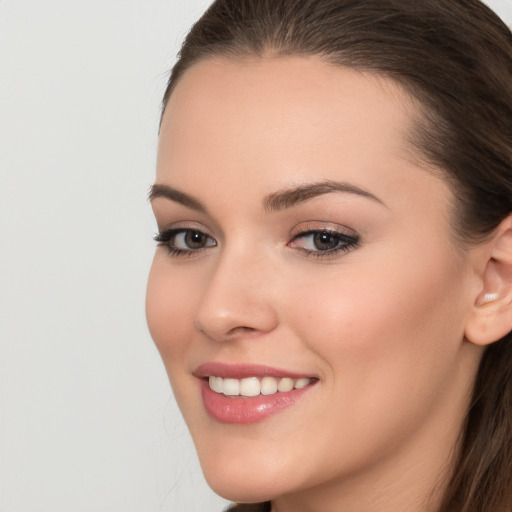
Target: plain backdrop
x,y
87,419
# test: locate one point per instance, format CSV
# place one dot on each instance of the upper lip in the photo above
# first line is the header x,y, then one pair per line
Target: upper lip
x,y
242,371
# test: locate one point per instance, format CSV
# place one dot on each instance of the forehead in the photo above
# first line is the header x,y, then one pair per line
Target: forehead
x,y
274,91
274,121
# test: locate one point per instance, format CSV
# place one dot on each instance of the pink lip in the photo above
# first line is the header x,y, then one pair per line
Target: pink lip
x,y
242,371
245,410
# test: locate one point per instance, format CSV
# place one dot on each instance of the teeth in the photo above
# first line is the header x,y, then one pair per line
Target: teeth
x,y
252,386
268,386
301,383
285,385
217,384
231,387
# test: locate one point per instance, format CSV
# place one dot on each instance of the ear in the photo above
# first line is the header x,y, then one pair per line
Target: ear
x,y
491,316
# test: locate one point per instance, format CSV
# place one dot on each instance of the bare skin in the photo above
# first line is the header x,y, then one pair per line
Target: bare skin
x,y
379,318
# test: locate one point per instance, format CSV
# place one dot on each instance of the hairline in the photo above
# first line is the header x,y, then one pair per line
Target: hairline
x,y
420,109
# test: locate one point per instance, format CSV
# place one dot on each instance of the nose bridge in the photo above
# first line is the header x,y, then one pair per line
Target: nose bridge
x,y
237,297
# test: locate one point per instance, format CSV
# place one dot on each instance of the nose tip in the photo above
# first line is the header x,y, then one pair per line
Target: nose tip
x,y
223,322
234,306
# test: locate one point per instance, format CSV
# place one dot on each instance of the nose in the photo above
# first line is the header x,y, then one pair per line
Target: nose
x,y
237,300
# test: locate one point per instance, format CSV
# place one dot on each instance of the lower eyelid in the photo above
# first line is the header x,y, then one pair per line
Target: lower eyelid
x,y
167,238
345,244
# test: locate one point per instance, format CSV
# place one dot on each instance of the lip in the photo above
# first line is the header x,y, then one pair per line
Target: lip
x,y
246,410
242,371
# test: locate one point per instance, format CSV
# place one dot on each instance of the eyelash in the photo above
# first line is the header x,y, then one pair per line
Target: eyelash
x,y
166,238
344,243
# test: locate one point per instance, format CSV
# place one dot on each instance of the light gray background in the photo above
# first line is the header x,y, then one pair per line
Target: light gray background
x,y
87,419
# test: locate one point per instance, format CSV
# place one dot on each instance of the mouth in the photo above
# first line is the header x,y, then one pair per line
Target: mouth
x,y
255,386
244,394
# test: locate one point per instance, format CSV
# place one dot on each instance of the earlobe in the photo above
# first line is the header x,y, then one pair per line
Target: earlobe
x,y
491,316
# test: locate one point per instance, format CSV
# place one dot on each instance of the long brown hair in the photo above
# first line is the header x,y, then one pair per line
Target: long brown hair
x,y
455,58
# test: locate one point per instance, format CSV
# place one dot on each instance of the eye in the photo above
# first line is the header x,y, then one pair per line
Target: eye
x,y
191,240
322,243
184,241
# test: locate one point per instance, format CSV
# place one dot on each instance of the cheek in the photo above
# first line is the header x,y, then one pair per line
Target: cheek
x,y
169,305
389,345
389,330
170,301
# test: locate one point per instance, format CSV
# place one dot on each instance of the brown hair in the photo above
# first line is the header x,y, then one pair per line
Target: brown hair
x,y
455,58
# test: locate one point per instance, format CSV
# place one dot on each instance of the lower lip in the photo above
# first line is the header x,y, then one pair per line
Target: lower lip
x,y
245,410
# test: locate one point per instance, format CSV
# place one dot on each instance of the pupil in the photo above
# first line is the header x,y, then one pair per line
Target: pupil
x,y
325,241
195,240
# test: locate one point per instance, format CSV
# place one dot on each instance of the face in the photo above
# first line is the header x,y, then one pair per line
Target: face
x,y
301,248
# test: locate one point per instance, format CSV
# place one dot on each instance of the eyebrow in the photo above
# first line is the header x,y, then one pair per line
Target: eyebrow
x,y
288,198
159,190
274,202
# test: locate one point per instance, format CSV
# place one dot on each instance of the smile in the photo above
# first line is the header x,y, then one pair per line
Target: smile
x,y
249,393
245,394
254,386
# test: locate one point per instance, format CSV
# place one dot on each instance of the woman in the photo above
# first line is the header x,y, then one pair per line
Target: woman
x,y
331,294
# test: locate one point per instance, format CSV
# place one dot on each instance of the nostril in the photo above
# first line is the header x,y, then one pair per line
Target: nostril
x,y
224,313
241,330
231,334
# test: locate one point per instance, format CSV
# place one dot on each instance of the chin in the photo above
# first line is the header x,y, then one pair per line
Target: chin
x,y
243,483
248,490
